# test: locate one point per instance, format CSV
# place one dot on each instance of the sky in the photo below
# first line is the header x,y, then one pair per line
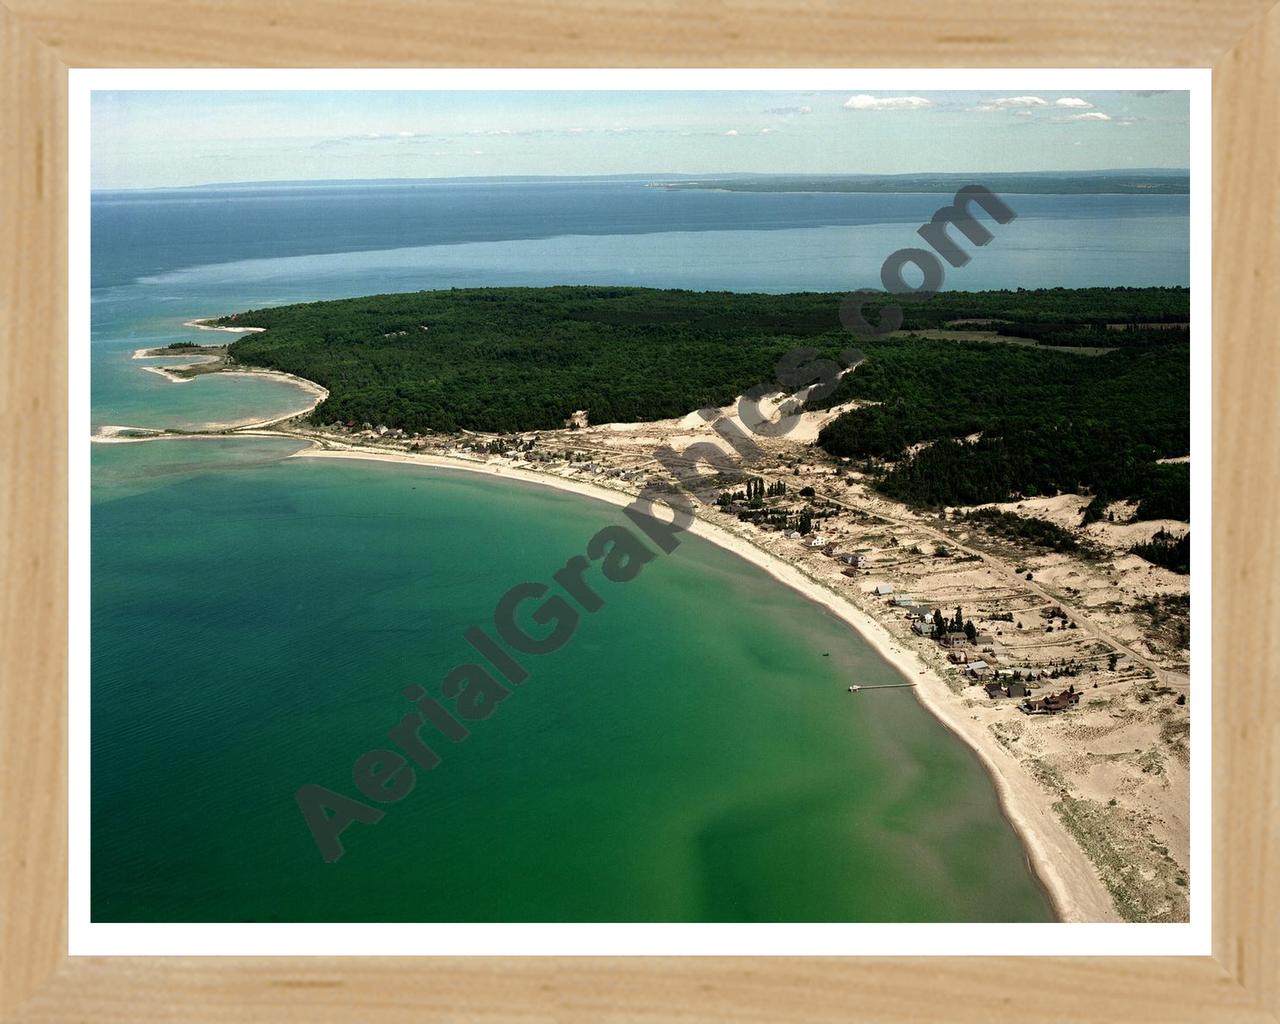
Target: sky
x,y
170,139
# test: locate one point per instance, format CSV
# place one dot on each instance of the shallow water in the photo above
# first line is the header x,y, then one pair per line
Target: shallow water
x,y
690,754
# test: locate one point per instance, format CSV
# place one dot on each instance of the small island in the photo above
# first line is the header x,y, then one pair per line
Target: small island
x,y
210,359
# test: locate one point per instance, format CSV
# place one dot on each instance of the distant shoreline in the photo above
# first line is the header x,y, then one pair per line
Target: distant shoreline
x,y
640,177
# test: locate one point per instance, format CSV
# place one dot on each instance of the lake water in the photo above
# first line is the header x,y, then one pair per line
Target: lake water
x,y
690,755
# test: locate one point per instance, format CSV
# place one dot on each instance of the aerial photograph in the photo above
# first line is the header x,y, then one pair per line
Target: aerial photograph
x,y
640,506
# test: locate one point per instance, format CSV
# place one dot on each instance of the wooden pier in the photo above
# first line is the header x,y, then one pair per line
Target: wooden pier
x,y
879,686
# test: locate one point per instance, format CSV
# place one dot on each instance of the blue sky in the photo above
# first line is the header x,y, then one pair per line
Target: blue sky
x,y
156,139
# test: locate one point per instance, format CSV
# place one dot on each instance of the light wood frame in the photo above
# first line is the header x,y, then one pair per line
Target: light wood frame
x,y
41,39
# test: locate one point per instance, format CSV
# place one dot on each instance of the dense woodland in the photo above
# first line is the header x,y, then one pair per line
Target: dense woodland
x,y
1165,549
1038,420
1001,421
527,358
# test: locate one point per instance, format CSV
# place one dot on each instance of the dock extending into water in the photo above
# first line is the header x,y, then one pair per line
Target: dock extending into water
x,y
879,686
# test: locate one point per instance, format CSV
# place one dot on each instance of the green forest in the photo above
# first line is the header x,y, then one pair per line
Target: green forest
x,y
1038,420
1174,553
1004,421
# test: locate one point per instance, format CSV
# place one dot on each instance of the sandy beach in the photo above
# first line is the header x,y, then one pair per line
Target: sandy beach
x,y
204,325
1045,777
1056,781
316,394
1065,871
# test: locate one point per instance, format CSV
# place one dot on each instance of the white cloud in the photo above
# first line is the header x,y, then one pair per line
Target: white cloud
x,y
1096,115
1017,104
1008,102
1074,101
767,131
864,102
732,131
789,110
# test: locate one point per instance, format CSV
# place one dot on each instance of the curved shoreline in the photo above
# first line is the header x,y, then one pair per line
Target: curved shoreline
x,y
316,392
1057,862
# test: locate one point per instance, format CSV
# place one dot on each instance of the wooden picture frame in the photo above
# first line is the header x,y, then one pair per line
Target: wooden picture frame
x,y
41,39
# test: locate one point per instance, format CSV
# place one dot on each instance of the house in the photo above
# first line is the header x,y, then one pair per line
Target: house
x,y
857,559
983,638
958,657
814,541
978,669
1010,689
955,638
850,572
884,589
920,611
831,551
1051,704
922,627
902,601
792,535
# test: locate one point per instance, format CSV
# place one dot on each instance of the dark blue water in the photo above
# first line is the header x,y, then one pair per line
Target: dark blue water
x,y
149,232
163,257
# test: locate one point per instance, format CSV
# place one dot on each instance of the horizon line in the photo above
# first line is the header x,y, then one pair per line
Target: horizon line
x,y
664,175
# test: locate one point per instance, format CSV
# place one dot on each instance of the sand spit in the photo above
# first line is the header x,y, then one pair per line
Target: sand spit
x,y
204,325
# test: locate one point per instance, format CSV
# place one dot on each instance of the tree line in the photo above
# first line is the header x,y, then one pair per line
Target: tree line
x,y
944,422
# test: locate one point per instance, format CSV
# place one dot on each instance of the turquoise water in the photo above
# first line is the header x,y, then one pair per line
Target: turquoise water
x,y
691,754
